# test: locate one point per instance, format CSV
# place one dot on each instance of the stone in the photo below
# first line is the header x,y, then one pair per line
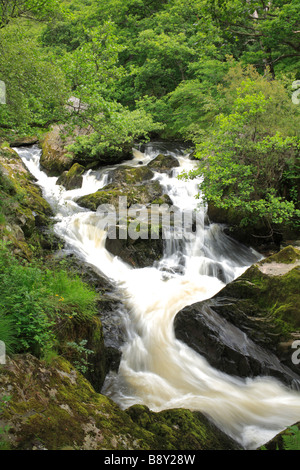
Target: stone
x,y
73,178
163,163
53,407
247,328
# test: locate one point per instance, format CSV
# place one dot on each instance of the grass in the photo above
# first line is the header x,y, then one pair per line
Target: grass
x,y
35,299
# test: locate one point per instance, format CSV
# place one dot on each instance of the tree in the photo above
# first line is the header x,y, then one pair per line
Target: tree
x,y
267,32
244,158
35,85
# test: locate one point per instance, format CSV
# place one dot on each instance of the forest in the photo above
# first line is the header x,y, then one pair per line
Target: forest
x,y
221,75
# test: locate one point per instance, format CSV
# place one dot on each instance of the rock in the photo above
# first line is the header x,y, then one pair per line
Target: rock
x,y
183,429
247,329
110,311
72,179
138,253
130,175
163,163
23,141
55,157
143,194
26,212
53,407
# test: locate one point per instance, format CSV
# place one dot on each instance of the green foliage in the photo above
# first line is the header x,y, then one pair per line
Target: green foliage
x,y
35,86
252,145
7,333
82,365
34,301
31,9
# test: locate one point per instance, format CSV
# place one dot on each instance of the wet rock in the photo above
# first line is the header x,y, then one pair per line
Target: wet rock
x,y
138,253
247,329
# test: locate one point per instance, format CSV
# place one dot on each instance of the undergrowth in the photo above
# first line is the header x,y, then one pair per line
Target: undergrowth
x,y
36,300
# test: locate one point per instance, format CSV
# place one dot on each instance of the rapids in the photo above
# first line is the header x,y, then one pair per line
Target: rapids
x,y
156,369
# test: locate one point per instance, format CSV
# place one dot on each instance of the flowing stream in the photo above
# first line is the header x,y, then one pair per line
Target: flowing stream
x,y
156,369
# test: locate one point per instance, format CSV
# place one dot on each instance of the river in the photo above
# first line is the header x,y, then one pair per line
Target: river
x,y
156,369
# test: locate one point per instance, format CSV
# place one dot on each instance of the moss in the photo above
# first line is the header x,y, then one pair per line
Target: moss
x,y
23,206
288,255
129,175
289,439
55,407
136,194
179,429
72,179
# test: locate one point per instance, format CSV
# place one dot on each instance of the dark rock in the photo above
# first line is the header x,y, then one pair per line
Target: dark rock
x,y
137,253
163,163
248,327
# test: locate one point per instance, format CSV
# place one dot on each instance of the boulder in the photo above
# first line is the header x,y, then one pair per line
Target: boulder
x,y
144,194
53,407
248,328
138,253
130,175
55,158
27,214
163,163
72,179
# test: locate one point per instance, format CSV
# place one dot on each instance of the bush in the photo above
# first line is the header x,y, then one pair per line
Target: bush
x,y
34,300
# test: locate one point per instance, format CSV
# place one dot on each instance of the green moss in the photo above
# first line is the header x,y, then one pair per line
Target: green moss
x,y
288,255
289,439
55,407
130,175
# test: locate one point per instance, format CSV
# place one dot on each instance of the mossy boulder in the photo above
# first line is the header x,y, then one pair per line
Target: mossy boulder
x,y
130,175
143,194
248,328
82,344
163,163
180,429
73,178
55,158
26,212
53,407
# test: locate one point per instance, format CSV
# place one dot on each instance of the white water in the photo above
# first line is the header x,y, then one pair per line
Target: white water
x,y
156,369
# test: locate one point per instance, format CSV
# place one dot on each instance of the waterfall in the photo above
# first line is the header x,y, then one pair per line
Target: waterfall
x,y
156,369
